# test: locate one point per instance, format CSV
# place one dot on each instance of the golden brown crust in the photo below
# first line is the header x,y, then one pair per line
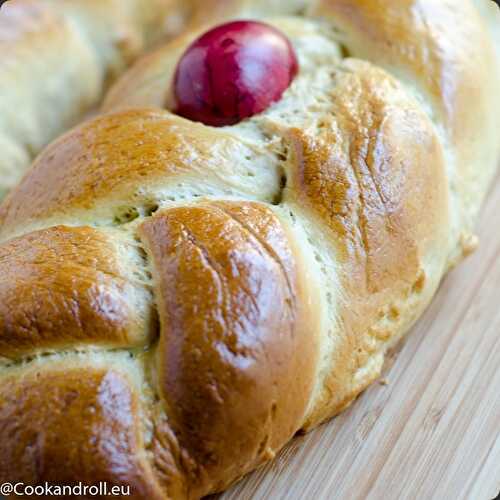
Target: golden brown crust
x,y
63,287
375,162
365,177
444,52
418,38
123,160
234,336
64,425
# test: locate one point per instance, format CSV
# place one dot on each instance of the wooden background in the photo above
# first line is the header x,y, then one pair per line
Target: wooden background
x,y
433,432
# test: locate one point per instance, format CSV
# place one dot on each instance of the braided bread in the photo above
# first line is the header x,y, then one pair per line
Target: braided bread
x,y
178,300
57,58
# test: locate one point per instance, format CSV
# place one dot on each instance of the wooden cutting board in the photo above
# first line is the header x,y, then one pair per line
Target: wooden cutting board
x,y
433,432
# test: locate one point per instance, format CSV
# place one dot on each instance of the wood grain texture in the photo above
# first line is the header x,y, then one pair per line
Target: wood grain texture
x,y
433,432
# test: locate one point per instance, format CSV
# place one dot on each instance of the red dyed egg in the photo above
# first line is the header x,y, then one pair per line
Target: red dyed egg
x,y
233,72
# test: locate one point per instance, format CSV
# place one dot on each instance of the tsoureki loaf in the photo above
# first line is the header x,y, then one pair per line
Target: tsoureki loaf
x,y
177,300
